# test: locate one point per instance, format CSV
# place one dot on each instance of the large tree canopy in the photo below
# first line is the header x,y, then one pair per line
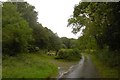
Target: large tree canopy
x,y
16,32
22,32
101,20
102,29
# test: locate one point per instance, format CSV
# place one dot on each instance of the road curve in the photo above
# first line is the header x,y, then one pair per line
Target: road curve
x,y
84,69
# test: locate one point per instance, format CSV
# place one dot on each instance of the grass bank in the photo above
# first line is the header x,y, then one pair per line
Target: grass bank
x,y
104,70
28,66
34,65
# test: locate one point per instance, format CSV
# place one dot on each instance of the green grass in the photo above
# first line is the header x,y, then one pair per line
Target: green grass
x,y
104,70
33,65
28,66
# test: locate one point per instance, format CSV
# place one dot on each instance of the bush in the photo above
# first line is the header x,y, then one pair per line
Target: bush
x,y
69,54
110,58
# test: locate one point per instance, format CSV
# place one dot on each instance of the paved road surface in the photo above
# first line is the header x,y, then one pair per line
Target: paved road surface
x,y
84,69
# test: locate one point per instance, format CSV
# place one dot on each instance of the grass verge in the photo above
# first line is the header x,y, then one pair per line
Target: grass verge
x,y
28,66
104,70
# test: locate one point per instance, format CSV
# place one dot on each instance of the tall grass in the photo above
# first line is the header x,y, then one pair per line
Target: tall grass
x,y
107,62
28,66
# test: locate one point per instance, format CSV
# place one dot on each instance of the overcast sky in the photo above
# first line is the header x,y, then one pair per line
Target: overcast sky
x,y
54,14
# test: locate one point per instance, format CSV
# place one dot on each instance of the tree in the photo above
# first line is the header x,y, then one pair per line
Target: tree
x,y
66,42
16,31
102,29
40,36
22,32
101,21
54,42
28,12
43,37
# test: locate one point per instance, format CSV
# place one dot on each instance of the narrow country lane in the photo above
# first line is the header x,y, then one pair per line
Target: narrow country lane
x,y
84,69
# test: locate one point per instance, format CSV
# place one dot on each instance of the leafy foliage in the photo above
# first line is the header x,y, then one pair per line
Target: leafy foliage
x,y
16,32
69,54
101,21
68,42
102,28
22,32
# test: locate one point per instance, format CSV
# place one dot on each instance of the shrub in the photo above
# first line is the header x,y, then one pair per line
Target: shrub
x,y
110,58
69,54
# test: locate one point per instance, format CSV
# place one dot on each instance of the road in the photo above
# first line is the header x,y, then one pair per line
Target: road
x,y
84,69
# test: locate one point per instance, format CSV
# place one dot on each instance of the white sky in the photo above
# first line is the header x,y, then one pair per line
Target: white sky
x,y
54,14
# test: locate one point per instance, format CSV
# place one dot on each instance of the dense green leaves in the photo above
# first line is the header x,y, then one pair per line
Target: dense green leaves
x,y
101,21
27,12
69,54
68,43
16,33
22,32
102,30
